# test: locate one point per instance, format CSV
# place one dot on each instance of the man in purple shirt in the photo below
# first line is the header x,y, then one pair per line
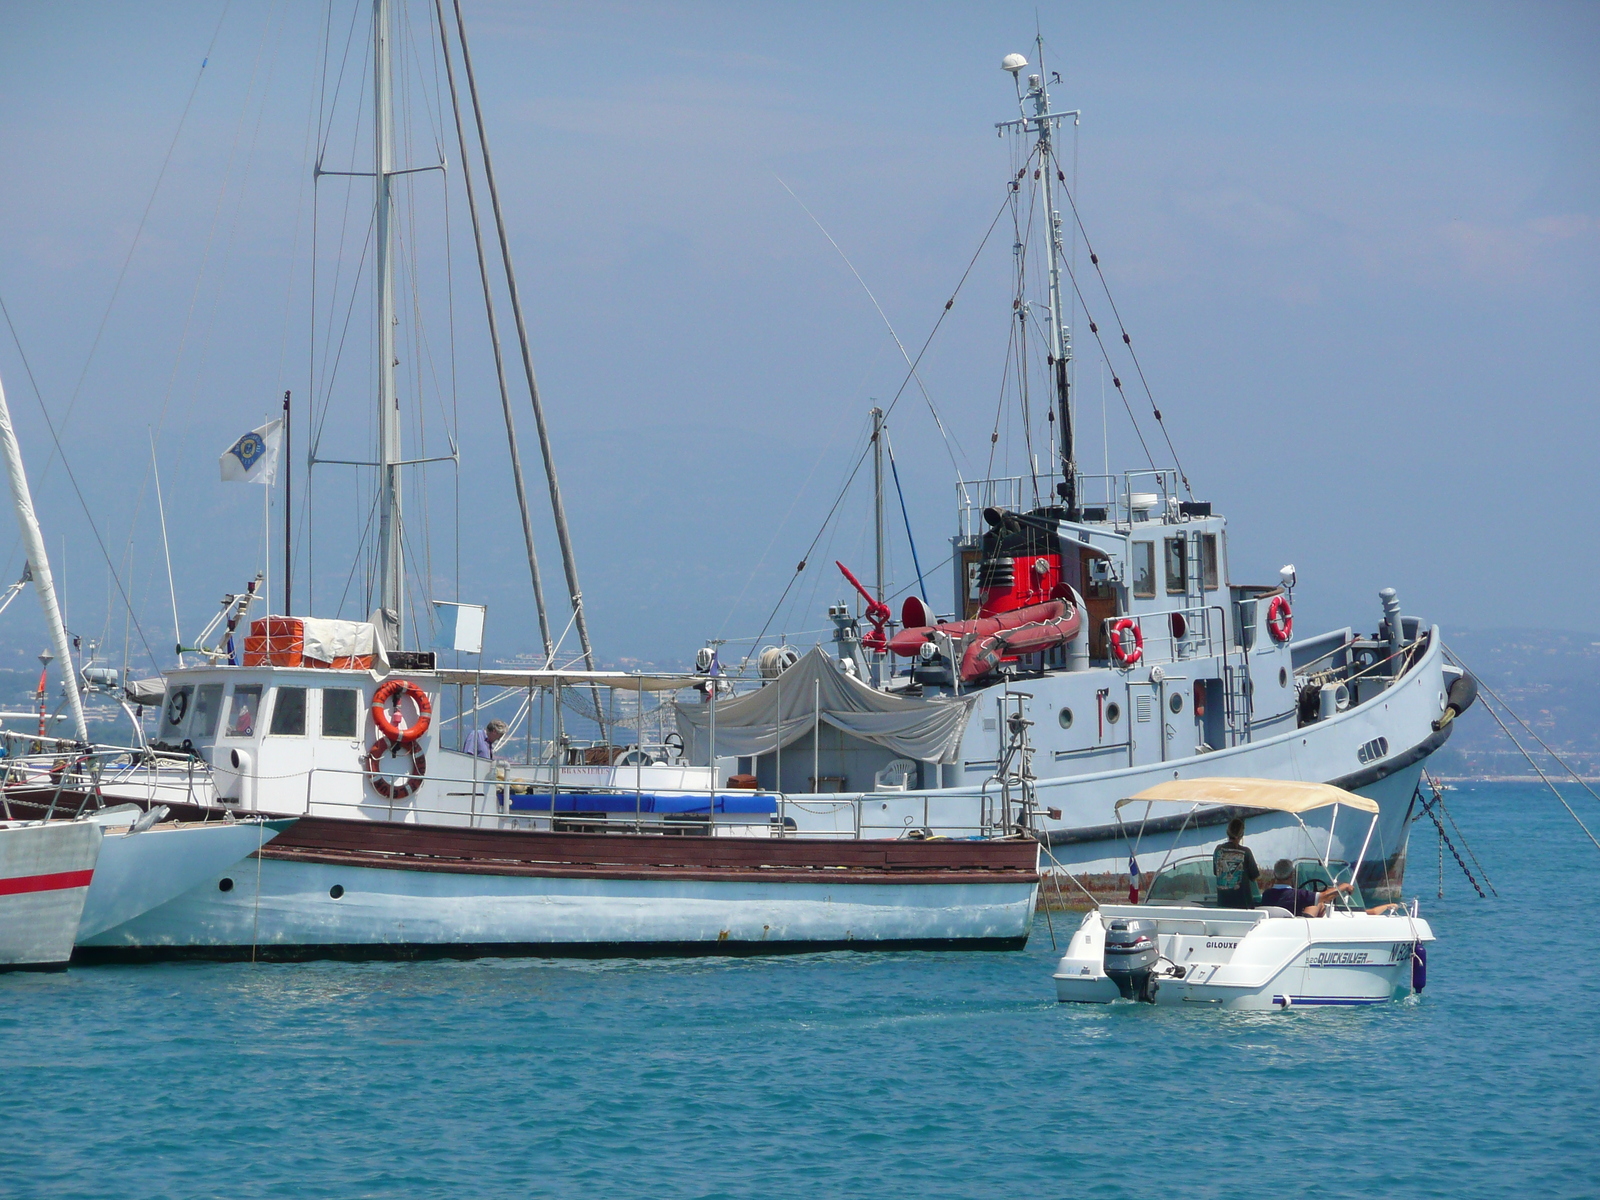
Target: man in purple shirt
x,y
1302,902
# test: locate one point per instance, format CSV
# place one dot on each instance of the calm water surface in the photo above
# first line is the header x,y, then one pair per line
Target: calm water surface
x,y
926,1075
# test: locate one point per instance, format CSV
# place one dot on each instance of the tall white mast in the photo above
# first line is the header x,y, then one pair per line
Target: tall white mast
x,y
43,583
391,561
1042,122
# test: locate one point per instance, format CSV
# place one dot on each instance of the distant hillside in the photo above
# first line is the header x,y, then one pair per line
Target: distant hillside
x,y
1551,678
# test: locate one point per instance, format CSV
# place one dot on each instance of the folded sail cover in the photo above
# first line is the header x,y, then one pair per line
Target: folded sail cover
x,y
307,642
785,709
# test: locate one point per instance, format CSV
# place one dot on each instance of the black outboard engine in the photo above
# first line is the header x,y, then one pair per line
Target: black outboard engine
x,y
1131,952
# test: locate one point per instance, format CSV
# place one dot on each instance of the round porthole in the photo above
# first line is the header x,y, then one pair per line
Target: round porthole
x,y
1176,703
1113,713
1283,677
1065,718
336,890
224,885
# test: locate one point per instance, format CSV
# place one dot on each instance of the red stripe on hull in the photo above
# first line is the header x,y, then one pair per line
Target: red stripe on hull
x,y
45,883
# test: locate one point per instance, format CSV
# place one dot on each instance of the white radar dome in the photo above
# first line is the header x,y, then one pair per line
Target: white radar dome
x,y
1013,63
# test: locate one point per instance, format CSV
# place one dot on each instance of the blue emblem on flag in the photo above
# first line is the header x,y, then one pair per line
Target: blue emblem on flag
x,y
248,449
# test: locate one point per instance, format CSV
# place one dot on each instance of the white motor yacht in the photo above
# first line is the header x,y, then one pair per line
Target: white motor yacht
x,y
1180,948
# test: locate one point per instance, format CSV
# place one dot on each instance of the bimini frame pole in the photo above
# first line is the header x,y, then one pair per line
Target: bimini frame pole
x,y
43,583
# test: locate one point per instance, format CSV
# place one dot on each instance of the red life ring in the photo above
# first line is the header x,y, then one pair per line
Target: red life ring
x,y
381,782
1125,654
1280,620
387,725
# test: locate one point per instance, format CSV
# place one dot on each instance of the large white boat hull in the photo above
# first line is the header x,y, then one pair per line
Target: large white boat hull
x,y
295,913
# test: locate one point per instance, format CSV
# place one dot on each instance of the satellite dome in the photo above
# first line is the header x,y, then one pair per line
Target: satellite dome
x,y
1013,63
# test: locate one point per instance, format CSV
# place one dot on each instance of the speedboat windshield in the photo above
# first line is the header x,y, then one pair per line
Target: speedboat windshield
x,y
1189,881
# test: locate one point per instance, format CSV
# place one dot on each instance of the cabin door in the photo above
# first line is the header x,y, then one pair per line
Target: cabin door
x,y
1147,741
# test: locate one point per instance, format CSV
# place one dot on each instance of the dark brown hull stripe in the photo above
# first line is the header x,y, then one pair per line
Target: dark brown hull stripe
x,y
775,873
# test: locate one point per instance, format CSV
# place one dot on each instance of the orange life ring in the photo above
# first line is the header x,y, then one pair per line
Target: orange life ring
x,y
387,725
381,782
1125,654
1280,619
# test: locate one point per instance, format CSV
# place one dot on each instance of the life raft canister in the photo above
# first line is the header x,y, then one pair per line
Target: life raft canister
x,y
1126,650
1280,620
387,725
381,783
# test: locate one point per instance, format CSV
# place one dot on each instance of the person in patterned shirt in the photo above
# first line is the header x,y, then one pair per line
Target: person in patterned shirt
x,y
1235,869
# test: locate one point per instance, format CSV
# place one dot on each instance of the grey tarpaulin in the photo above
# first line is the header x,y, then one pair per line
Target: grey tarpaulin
x,y
925,730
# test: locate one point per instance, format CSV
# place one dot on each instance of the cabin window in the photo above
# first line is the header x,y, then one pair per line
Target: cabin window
x,y
246,704
1177,566
289,713
1144,569
339,712
177,710
207,708
1208,561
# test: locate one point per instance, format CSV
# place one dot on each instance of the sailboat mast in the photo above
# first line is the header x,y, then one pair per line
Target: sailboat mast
x,y
877,499
43,583
1060,336
391,562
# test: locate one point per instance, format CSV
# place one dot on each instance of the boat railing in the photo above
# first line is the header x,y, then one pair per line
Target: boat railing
x,y
1178,634
496,800
77,773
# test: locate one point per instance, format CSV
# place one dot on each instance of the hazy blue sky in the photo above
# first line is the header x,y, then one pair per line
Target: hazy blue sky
x,y
1358,247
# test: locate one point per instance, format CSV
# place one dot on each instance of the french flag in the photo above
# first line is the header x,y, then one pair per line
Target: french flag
x,y
1133,880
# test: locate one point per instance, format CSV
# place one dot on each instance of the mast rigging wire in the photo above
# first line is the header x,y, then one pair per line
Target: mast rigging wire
x,y
1121,328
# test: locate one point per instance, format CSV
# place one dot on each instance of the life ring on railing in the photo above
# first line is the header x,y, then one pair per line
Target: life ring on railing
x,y
1127,651
1280,618
382,783
387,725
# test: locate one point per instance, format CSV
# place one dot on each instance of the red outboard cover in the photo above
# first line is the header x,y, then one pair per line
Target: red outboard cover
x,y
1018,581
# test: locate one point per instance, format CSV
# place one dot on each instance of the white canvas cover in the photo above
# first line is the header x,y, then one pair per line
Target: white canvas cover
x,y
327,640
927,730
1280,795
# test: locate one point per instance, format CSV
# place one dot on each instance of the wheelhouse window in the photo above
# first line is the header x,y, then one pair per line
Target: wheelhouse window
x,y
177,710
1208,561
207,708
246,707
289,713
339,707
1144,569
1177,566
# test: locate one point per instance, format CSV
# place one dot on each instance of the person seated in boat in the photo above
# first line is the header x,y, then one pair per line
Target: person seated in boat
x,y
1234,869
482,741
1302,902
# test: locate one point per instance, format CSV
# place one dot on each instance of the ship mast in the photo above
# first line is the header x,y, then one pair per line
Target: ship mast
x,y
1042,123
391,561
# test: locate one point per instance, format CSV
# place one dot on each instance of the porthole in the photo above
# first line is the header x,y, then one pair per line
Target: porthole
x,y
336,890
1113,713
1065,718
1283,677
224,885
1176,703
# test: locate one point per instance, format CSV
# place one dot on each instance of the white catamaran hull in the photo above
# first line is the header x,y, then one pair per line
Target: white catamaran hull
x,y
45,873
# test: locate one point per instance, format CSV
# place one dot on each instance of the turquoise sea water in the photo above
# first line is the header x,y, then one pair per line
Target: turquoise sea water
x,y
926,1075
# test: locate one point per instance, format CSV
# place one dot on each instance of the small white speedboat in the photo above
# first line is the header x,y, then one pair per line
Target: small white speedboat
x,y
1180,948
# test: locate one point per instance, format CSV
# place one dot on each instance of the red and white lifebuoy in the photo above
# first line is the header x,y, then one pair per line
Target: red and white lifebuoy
x,y
1280,620
1127,641
388,725
384,784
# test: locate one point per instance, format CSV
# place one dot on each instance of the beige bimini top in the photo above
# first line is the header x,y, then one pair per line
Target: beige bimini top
x,y
1277,794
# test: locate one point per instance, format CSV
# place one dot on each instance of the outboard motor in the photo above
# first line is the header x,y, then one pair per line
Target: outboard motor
x,y
1131,952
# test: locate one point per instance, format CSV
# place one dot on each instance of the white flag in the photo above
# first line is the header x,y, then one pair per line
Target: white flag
x,y
254,457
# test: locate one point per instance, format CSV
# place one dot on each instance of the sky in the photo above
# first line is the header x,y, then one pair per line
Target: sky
x,y
1357,248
